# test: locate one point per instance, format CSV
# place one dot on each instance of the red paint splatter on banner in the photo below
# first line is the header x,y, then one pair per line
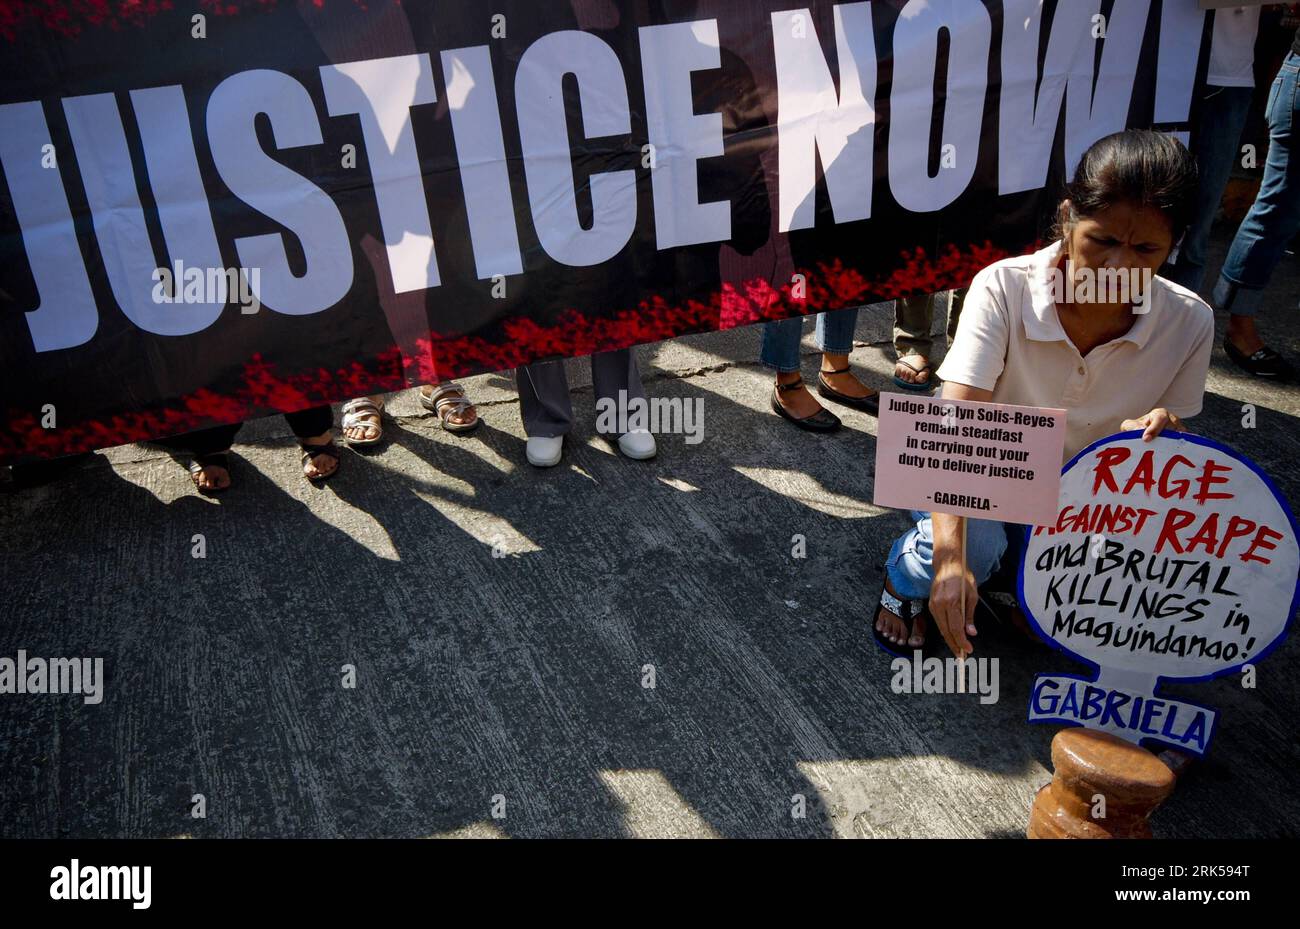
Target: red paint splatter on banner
x,y
265,390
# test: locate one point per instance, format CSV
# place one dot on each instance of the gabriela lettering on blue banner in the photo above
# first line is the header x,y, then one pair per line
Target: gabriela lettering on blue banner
x,y
1132,716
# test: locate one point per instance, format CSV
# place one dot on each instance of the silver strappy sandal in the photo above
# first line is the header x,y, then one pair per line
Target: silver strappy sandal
x,y
448,399
357,413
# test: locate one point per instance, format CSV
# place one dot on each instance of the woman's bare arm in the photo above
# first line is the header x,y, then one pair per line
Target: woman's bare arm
x,y
950,572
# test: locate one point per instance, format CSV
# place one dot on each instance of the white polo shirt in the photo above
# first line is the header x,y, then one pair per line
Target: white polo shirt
x,y
1232,49
1010,340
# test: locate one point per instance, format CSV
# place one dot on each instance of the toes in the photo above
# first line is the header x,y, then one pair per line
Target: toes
x,y
918,632
213,479
891,627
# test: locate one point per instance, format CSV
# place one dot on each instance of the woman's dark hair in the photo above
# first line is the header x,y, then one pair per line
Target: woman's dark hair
x,y
1138,166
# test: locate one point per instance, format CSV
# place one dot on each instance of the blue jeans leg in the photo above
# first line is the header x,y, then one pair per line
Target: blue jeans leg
x,y
910,565
835,331
1223,112
781,344
1275,215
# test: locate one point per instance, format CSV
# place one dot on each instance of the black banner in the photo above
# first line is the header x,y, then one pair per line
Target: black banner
x,y
211,211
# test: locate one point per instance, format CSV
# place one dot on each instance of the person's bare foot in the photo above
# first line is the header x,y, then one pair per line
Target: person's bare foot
x,y
210,477
322,464
362,420
894,628
914,368
799,403
1243,334
452,407
844,382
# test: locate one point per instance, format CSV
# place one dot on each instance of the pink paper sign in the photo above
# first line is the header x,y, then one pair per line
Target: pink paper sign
x,y
982,460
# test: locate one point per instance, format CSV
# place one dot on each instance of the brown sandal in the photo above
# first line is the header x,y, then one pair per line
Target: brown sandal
x,y
214,460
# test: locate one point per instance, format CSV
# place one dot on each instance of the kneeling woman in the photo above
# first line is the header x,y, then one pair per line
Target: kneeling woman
x,y
1023,339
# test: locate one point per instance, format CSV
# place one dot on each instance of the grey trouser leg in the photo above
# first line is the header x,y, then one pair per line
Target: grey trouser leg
x,y
956,301
913,317
615,371
544,390
544,399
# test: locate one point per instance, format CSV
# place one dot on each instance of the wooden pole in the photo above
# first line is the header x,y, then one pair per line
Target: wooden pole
x,y
961,654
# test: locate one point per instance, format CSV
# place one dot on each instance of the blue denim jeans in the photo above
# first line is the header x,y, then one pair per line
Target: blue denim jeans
x,y
910,565
1273,220
781,338
1223,112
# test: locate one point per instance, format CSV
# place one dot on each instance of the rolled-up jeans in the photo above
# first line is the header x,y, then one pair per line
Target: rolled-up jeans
x,y
781,338
1274,218
910,566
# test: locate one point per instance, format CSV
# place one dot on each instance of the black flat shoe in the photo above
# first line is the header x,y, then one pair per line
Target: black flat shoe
x,y
1264,363
869,404
821,421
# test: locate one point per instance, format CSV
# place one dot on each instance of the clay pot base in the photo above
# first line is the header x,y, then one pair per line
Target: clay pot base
x,y
1103,788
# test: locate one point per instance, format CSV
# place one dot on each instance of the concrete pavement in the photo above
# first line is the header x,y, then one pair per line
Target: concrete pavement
x,y
503,624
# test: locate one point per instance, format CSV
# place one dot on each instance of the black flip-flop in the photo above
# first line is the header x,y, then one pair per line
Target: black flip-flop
x,y
906,610
1263,363
917,386
869,404
821,421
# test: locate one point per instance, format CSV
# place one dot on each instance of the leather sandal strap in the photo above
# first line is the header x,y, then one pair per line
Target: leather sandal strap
x,y
439,392
793,385
311,451
838,371
213,460
455,404
362,406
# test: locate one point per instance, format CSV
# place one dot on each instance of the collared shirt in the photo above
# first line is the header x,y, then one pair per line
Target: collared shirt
x,y
1010,341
